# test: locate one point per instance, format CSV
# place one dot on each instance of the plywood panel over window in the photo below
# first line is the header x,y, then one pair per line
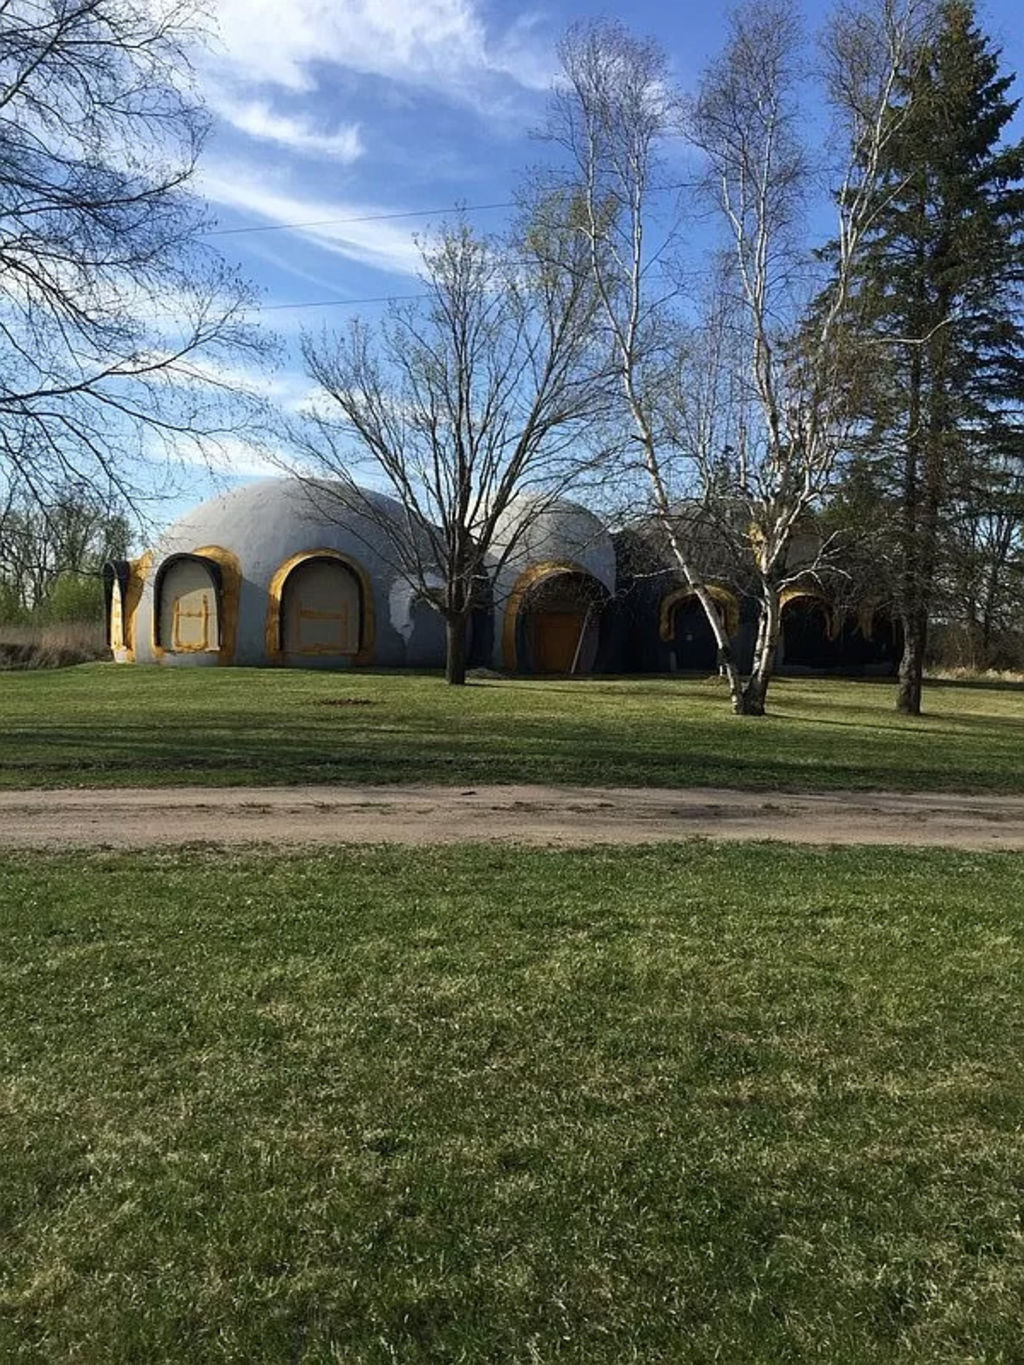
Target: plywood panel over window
x,y
188,608
320,609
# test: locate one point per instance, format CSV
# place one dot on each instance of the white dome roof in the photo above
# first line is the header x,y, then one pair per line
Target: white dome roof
x,y
557,532
263,523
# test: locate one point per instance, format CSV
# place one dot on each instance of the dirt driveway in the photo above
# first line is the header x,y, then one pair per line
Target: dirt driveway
x,y
561,816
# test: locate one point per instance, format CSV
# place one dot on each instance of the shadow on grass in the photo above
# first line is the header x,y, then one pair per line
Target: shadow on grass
x,y
501,753
232,727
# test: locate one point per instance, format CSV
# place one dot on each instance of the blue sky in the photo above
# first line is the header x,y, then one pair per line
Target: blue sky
x,y
335,109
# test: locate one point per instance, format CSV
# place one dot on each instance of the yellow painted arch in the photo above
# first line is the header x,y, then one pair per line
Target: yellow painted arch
x,y
367,624
528,579
797,594
722,597
230,591
868,616
138,572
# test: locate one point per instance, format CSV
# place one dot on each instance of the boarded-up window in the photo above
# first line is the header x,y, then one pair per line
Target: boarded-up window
x,y
188,608
320,609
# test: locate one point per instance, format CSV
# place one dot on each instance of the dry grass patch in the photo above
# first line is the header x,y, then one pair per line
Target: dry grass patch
x,y
60,645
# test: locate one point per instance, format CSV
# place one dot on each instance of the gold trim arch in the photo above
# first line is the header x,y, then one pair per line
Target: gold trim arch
x,y
528,579
722,597
137,574
230,591
795,594
367,624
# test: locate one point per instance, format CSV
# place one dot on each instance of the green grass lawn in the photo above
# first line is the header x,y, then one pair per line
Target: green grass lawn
x,y
108,726
674,1104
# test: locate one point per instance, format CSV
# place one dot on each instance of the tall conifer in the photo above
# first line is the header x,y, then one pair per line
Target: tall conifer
x,y
940,289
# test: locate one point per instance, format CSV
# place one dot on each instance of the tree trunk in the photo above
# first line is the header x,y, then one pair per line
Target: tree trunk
x,y
695,582
726,660
729,671
456,630
921,580
755,694
915,638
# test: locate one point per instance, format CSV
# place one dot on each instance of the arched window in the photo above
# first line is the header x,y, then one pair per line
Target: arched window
x,y
188,606
321,609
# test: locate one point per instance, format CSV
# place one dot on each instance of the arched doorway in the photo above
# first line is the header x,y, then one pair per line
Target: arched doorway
x,y
807,638
187,612
115,617
321,610
685,627
116,576
559,625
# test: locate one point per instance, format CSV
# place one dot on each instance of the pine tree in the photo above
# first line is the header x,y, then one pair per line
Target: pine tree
x,y
939,289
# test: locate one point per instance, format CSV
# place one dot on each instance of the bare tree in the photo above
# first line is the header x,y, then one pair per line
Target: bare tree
x,y
791,310
74,535
458,404
611,114
115,316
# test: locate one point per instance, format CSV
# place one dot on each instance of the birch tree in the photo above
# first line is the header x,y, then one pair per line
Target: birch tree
x,y
802,352
612,113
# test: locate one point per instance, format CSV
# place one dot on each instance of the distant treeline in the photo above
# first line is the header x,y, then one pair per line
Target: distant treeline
x,y
52,557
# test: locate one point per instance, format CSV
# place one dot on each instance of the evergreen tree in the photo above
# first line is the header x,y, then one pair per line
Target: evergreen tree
x,y
939,290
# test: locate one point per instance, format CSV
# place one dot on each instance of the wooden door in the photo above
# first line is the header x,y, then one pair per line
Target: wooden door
x,y
555,637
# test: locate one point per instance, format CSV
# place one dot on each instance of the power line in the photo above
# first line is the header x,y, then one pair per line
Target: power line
x,y
338,303
365,218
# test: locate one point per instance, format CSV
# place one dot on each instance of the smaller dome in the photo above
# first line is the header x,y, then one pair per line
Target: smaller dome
x,y
539,530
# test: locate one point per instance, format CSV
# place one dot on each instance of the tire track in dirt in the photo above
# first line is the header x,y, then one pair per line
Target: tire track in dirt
x,y
559,816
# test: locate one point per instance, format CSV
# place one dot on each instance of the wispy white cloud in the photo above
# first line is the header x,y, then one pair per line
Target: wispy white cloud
x,y
440,44
297,134
233,456
281,387
383,245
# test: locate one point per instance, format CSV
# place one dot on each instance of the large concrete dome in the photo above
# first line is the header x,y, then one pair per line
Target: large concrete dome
x,y
283,571
554,574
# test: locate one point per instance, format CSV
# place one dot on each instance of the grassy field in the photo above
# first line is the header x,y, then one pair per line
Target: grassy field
x,y
108,726
683,1104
